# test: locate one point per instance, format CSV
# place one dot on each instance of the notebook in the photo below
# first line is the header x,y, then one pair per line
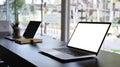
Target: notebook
x,y
29,33
85,42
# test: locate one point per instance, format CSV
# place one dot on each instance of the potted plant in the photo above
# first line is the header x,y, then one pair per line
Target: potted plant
x,y
16,7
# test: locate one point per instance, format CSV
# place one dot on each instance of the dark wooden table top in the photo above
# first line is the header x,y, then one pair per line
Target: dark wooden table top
x,y
31,54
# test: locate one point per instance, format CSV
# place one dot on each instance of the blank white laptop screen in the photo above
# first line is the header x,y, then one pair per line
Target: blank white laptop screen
x,y
88,36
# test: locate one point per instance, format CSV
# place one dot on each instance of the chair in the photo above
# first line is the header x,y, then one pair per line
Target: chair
x,y
5,28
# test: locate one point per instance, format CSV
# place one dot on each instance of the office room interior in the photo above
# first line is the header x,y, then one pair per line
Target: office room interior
x,y
59,19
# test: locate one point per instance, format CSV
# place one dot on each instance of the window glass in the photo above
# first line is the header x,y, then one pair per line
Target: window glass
x,y
99,11
52,18
47,11
2,10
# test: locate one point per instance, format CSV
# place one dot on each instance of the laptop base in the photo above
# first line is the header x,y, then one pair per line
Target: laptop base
x,y
11,38
63,56
67,61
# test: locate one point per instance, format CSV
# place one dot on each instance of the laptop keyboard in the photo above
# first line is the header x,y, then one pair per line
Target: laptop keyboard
x,y
71,51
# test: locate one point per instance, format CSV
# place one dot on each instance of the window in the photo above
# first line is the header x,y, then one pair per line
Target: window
x,y
52,18
100,11
2,10
47,11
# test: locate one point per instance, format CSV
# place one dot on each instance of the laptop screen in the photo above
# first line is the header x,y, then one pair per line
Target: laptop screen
x,y
89,36
31,29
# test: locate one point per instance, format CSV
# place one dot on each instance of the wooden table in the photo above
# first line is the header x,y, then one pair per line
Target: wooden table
x,y
28,55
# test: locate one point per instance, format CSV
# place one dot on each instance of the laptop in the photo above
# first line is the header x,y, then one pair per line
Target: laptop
x,y
31,29
85,42
29,32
